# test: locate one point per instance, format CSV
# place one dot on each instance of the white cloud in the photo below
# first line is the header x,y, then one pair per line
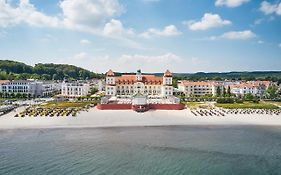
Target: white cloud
x,y
92,16
81,15
85,41
115,29
235,35
258,21
24,13
89,15
268,8
260,42
208,21
230,3
168,31
81,56
279,45
147,63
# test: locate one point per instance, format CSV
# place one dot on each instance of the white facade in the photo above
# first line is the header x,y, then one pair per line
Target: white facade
x,y
242,90
199,88
145,84
28,87
75,89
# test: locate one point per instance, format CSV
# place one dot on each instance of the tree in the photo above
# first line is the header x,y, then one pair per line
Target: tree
x,y
6,95
218,91
12,95
24,95
29,96
272,91
18,95
223,92
249,97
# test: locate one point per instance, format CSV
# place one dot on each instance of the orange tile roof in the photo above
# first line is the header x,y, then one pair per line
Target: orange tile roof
x,y
146,79
242,85
4,81
110,73
188,83
258,83
167,73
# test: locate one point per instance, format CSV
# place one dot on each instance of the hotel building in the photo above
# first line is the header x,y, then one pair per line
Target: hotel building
x,y
139,83
139,92
29,87
74,89
199,88
257,88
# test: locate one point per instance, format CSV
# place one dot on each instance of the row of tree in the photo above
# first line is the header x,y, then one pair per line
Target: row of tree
x,y
13,70
16,95
247,76
271,93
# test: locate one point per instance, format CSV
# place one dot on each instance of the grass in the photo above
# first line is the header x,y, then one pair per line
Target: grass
x,y
66,104
248,105
278,103
194,105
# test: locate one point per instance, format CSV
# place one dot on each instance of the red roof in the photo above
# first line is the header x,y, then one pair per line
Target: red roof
x,y
4,81
167,73
110,73
193,83
146,79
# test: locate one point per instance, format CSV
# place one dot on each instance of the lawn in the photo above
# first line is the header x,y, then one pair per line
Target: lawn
x,y
66,104
247,105
194,105
278,103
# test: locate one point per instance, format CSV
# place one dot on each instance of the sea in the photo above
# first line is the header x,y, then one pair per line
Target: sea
x,y
165,150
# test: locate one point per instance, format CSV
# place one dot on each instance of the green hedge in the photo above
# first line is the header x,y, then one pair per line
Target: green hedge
x,y
225,100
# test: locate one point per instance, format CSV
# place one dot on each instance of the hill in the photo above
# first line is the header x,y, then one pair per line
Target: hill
x,y
17,70
255,75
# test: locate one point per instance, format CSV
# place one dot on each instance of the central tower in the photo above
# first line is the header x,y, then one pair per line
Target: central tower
x,y
138,75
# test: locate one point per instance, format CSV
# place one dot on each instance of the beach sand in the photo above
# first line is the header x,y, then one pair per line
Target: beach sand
x,y
118,118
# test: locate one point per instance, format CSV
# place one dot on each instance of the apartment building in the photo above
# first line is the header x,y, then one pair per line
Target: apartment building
x,y
199,88
75,89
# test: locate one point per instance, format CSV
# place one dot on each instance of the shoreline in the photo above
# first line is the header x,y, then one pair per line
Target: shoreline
x,y
95,118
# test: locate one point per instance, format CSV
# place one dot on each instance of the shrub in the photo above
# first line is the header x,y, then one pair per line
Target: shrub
x,y
239,101
225,100
256,100
249,97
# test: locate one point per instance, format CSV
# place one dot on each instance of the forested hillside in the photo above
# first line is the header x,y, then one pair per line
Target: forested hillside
x,y
255,75
17,70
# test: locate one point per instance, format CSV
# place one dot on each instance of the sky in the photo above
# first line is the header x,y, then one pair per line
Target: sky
x,y
183,36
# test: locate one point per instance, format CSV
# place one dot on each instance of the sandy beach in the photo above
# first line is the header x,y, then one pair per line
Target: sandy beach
x,y
120,118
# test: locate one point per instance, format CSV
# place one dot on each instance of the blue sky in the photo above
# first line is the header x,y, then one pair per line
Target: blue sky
x,y
152,35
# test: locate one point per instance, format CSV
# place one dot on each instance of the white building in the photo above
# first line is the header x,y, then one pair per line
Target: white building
x,y
144,84
199,88
48,88
99,84
257,88
29,87
74,89
202,88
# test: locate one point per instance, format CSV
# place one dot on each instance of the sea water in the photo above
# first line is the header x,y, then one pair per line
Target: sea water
x,y
169,150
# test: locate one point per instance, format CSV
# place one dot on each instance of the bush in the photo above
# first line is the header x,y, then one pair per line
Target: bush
x,y
225,100
239,101
249,97
256,100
